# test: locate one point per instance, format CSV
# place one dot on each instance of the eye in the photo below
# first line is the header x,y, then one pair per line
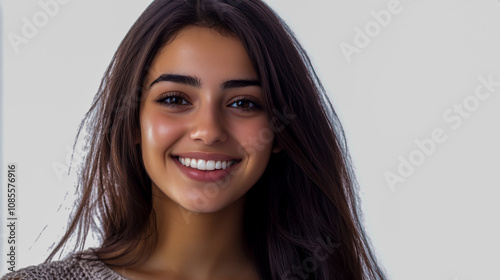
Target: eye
x,y
172,100
246,104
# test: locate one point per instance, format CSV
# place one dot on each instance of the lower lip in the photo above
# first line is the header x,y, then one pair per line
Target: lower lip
x,y
204,175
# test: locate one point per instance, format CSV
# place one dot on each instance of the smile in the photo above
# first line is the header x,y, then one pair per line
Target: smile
x,y
206,170
202,164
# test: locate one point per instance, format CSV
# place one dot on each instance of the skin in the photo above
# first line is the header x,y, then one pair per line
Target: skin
x,y
200,226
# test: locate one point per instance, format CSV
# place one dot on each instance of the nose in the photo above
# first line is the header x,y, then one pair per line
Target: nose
x,y
208,126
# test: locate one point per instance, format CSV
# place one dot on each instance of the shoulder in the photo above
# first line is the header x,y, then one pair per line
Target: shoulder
x,y
82,265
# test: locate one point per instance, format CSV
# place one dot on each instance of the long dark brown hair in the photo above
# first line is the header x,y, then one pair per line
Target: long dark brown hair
x,y
301,218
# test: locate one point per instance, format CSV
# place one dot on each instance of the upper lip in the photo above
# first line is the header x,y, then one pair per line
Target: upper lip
x,y
206,156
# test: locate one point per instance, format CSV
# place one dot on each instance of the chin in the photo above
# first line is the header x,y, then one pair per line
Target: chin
x,y
200,203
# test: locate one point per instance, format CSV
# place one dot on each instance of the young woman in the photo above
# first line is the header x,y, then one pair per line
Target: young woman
x,y
214,153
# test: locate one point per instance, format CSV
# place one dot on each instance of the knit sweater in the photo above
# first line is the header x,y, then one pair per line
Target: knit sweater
x,y
70,268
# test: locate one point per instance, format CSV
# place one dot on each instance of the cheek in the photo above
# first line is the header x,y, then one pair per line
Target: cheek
x,y
254,137
158,131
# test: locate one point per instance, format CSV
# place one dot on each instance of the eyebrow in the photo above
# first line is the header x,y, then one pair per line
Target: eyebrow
x,y
195,82
180,79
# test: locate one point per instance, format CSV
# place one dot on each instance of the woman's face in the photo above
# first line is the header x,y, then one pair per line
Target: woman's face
x,y
205,136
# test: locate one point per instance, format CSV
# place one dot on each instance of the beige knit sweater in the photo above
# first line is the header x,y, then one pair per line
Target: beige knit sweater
x,y
71,267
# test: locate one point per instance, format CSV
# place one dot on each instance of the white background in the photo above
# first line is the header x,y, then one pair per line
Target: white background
x,y
442,222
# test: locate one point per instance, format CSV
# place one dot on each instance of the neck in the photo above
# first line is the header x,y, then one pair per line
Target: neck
x,y
213,243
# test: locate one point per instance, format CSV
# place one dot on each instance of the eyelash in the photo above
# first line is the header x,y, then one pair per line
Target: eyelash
x,y
255,107
162,101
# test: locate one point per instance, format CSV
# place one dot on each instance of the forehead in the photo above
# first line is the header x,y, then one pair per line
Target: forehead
x,y
204,53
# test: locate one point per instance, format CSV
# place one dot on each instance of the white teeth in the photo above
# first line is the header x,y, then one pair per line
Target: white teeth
x,y
210,165
202,164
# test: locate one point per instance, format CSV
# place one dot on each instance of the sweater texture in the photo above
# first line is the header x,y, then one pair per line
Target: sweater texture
x,y
72,267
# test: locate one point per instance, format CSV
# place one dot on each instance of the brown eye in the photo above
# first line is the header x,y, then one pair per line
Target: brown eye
x,y
172,100
175,100
245,104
